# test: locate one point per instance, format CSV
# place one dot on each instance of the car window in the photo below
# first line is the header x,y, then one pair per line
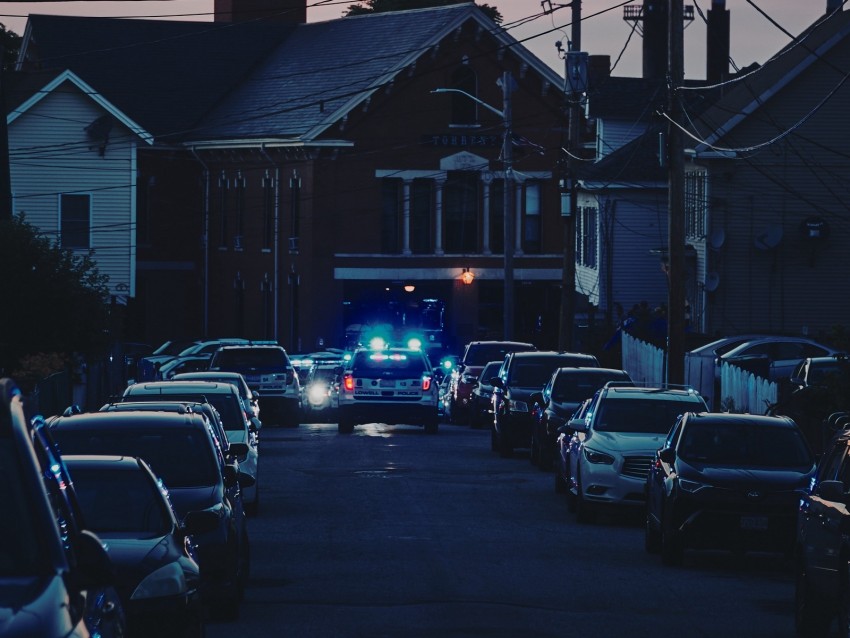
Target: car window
x,y
789,350
747,445
251,357
640,414
578,387
21,554
121,501
181,458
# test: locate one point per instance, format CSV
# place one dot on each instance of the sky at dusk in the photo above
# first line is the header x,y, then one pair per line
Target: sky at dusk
x,y
756,25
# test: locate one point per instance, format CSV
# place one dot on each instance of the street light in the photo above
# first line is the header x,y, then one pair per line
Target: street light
x,y
507,83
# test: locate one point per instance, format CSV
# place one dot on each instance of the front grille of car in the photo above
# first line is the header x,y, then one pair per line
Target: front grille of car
x,y
636,466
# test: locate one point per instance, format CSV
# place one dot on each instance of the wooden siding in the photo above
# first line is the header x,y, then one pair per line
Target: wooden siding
x,y
798,286
50,154
612,134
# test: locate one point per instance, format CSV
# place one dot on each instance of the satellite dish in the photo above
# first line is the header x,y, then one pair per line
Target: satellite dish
x,y
712,281
769,237
717,239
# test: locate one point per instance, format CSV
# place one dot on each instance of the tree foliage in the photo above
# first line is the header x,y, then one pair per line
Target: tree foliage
x,y
11,45
382,6
53,301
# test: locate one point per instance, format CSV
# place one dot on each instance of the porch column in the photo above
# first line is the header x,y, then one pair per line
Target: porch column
x,y
439,182
405,250
486,179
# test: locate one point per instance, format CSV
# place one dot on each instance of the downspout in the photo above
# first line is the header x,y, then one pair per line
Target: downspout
x,y
205,240
276,240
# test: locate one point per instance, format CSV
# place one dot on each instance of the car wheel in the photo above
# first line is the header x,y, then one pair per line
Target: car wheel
x,y
843,612
545,462
494,440
584,511
672,550
193,627
652,537
811,615
253,508
292,417
560,484
506,450
345,426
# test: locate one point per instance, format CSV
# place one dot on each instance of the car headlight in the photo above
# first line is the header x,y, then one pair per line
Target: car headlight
x,y
168,580
692,486
599,458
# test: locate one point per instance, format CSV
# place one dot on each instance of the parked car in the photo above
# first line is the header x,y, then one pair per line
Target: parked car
x,y
481,399
177,365
157,574
822,552
565,391
268,372
231,418
613,448
443,397
56,578
181,450
149,366
821,371
393,385
521,375
564,443
250,400
702,368
321,391
465,375
774,358
726,481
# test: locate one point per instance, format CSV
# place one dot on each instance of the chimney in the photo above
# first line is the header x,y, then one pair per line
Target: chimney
x,y
655,45
833,6
717,43
279,11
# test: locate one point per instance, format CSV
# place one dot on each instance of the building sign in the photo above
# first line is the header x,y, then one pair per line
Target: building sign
x,y
462,139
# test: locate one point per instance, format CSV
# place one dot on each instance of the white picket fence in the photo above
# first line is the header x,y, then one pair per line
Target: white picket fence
x,y
739,390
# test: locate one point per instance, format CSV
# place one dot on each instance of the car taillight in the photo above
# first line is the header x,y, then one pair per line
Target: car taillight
x,y
426,384
348,382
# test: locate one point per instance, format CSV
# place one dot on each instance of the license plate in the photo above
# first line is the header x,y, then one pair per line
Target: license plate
x,y
387,383
757,523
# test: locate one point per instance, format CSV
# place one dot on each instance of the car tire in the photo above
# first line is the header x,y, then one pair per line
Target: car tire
x,y
506,450
193,627
545,463
534,457
843,611
494,440
672,548
560,483
345,426
652,537
812,616
253,508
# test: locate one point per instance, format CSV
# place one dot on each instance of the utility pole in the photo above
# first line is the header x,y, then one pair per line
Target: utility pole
x,y
676,202
5,170
507,82
576,76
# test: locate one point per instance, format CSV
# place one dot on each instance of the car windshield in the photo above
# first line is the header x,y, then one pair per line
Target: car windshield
x,y
484,353
180,457
226,403
250,358
21,554
573,388
737,444
121,501
535,372
645,415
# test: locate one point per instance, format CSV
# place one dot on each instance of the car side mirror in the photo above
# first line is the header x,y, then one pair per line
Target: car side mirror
x,y
199,522
245,480
831,491
230,475
537,397
255,424
667,454
566,429
95,567
238,449
577,425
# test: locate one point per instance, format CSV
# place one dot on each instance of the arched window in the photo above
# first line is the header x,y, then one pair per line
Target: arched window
x,y
464,109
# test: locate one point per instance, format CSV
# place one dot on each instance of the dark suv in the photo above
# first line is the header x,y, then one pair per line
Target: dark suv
x,y
464,377
270,375
521,375
726,481
822,556
56,578
395,385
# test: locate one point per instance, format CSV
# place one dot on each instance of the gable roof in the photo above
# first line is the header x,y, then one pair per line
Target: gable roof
x,y
43,90
166,74
250,80
744,96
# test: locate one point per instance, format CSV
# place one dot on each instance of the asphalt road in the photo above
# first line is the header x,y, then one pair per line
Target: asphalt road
x,y
389,532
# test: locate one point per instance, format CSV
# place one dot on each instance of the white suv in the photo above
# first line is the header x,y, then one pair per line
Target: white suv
x,y
610,455
394,385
